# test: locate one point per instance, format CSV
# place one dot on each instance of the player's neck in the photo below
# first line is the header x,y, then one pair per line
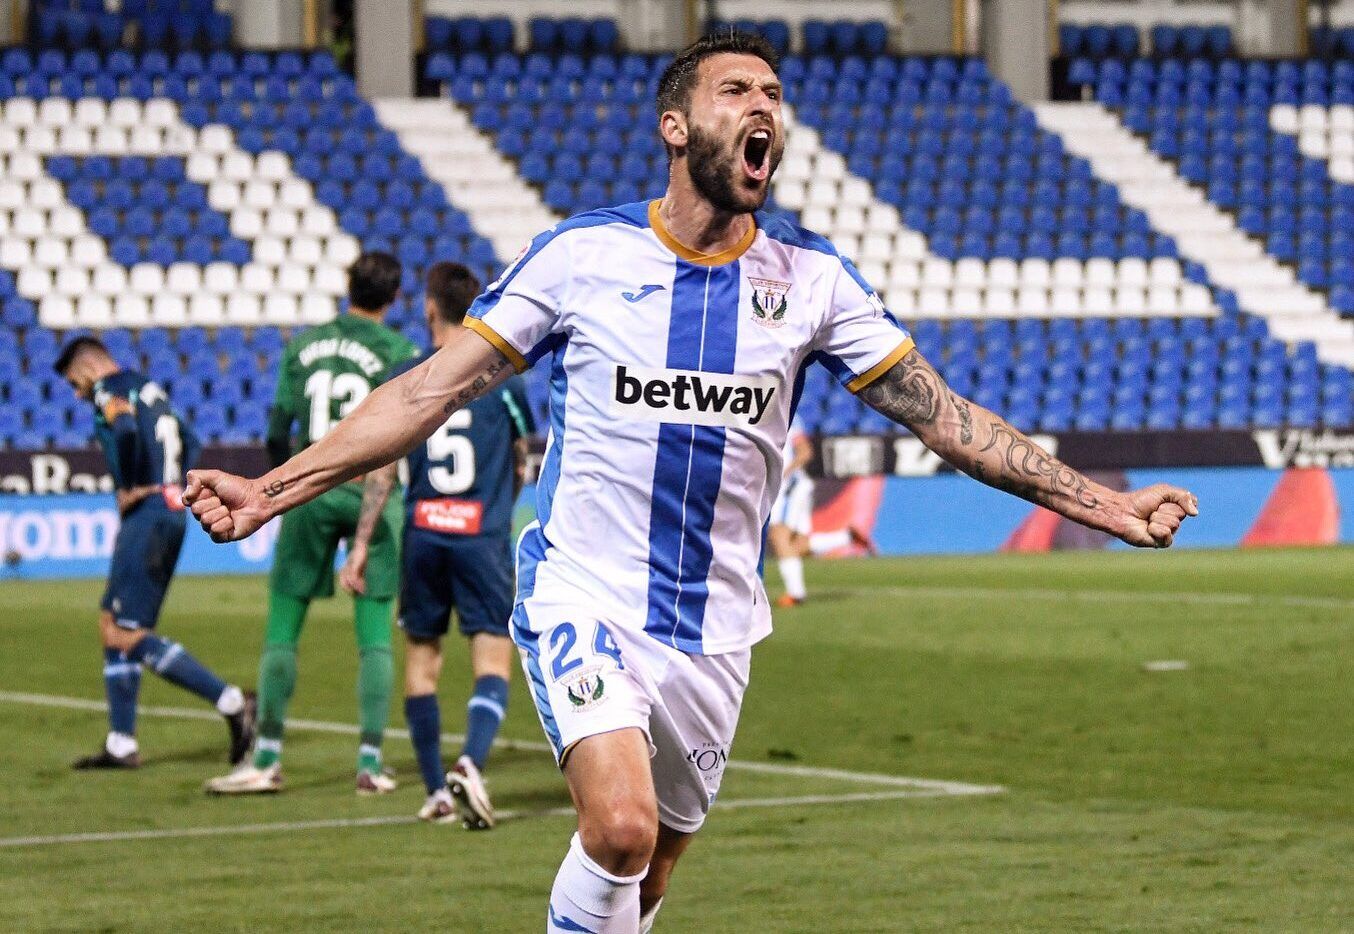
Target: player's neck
x,y
378,316
697,224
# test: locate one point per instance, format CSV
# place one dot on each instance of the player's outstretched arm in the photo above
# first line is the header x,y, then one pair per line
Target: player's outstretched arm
x,y
388,423
984,446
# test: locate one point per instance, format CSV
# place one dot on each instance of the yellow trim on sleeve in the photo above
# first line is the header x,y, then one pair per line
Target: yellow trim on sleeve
x,y
518,361
691,256
882,367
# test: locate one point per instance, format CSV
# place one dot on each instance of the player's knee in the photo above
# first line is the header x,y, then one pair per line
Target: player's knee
x,y
622,840
422,666
115,637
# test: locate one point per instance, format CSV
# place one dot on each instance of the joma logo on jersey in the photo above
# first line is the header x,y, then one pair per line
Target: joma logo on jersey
x,y
691,397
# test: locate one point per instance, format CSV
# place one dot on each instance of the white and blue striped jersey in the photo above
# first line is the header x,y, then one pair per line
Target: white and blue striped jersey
x,y
674,378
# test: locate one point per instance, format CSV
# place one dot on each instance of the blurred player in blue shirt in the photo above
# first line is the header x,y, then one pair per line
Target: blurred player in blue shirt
x,y
148,450
463,482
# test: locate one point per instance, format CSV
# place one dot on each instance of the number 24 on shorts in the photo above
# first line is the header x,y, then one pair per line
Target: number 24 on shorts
x,y
564,639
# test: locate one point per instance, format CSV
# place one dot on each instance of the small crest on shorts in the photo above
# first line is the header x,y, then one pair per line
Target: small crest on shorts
x,y
586,689
770,301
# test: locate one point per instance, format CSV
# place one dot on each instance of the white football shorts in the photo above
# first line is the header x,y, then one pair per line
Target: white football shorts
x,y
589,677
794,505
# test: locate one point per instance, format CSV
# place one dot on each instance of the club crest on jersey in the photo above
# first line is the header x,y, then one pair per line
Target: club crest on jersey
x,y
770,301
586,689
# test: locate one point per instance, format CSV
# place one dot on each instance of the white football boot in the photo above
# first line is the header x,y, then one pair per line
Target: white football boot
x,y
467,787
248,780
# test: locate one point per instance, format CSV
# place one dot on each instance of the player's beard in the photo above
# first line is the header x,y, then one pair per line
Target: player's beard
x,y
717,173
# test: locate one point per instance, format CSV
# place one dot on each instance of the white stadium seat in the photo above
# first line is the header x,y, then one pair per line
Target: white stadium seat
x,y
246,224
203,167
29,223
1284,118
180,140
55,112
903,303
881,218
848,219
1163,300
318,221
933,303
1097,302
56,312
146,140
110,279
848,244
159,112
1065,303
341,250
88,250
876,247
1003,273
111,141
206,310
131,311
45,193
221,278
39,139
147,279
21,111
874,272
9,138
272,166
1100,273
829,165
1312,118
305,251
295,193
970,273
999,303
34,282
257,279
215,138
237,166
904,274
25,167
791,193
184,278
66,220
270,251
15,252
1195,300
224,196
293,279
1035,273
1068,273
821,192
1033,302
794,167
169,311
280,309
316,309
1164,271
1132,272
909,244
260,195
124,112
330,280
937,273
817,217
1130,302
72,281
94,311
966,303
1341,119
856,191
281,222
91,112
243,309
51,252
1342,145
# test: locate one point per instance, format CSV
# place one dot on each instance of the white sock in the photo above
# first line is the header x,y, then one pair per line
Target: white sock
x,y
792,573
587,896
646,919
231,701
820,543
120,744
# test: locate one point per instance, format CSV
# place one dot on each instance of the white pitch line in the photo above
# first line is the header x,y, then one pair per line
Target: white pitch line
x,y
937,786
173,833
1114,596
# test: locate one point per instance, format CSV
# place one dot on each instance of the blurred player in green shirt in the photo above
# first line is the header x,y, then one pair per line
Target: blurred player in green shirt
x,y
326,372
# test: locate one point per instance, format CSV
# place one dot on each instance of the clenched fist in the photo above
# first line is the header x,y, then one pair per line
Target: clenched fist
x,y
1155,513
229,507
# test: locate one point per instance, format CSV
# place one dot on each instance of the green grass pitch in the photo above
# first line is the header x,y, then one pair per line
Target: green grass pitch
x,y
1217,798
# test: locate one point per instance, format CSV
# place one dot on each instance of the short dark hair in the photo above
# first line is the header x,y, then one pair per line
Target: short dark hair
x,y
373,280
452,287
74,349
674,87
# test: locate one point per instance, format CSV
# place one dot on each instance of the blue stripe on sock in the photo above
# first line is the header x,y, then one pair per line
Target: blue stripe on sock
x,y
424,718
703,335
122,686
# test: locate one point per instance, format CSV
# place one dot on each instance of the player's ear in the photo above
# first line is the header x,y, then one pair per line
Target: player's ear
x,y
672,127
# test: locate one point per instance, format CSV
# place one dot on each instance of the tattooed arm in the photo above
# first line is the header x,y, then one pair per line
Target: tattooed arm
x,y
987,448
375,492
388,423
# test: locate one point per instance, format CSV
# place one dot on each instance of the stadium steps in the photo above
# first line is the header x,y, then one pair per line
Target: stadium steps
x,y
476,177
1263,286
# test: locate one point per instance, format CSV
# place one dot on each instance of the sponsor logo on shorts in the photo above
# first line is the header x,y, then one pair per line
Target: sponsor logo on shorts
x,y
691,397
709,757
586,689
454,516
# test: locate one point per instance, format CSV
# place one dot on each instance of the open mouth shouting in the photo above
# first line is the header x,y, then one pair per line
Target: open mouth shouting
x,y
757,155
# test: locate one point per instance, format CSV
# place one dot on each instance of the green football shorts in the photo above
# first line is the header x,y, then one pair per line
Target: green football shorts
x,y
303,560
